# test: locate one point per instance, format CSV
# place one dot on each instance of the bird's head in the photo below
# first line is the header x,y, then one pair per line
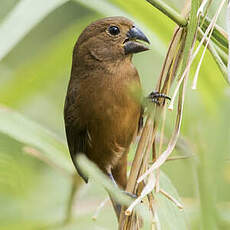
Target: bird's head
x,y
110,39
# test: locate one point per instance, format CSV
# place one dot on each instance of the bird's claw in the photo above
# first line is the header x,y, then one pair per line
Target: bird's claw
x,y
118,206
154,97
125,192
134,196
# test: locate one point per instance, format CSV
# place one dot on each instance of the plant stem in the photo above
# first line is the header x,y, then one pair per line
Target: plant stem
x,y
219,61
168,11
218,33
74,188
216,57
221,53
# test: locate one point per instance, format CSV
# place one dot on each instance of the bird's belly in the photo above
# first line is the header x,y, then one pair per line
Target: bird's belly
x,y
111,132
111,114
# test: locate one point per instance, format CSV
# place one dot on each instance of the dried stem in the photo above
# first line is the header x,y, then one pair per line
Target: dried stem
x,y
177,203
140,162
163,157
139,155
99,208
180,158
171,144
141,159
211,28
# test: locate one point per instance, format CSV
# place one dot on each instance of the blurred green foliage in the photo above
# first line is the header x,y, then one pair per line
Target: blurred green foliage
x,y
33,82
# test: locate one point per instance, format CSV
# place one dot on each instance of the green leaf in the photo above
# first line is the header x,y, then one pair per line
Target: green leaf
x,y
93,172
166,209
6,6
22,19
51,64
30,133
170,216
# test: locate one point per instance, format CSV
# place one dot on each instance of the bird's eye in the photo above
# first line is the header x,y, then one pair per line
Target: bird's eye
x,y
114,30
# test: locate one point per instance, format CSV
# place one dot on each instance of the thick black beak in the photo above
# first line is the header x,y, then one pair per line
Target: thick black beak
x,y
131,43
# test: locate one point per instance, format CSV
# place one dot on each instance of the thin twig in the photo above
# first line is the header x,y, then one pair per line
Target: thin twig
x,y
168,11
217,58
169,56
202,7
140,162
139,155
193,56
194,84
146,190
170,197
179,158
176,158
163,157
218,33
99,208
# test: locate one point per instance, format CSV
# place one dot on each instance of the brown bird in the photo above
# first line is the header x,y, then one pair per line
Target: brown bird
x,y
102,111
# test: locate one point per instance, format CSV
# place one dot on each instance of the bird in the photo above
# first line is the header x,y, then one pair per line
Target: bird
x,y
103,112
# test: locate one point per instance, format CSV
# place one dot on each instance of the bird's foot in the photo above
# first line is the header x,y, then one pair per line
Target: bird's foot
x,y
117,206
155,96
134,196
125,192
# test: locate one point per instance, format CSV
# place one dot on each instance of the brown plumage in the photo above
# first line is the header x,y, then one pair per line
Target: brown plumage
x,y
102,109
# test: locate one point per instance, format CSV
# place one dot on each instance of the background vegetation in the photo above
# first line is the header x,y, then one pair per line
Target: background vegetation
x,y
37,38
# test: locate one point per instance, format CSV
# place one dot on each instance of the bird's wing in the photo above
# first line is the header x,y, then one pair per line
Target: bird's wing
x,y
76,135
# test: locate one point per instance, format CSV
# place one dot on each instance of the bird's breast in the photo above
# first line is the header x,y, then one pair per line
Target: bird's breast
x,y
110,110
112,125
110,96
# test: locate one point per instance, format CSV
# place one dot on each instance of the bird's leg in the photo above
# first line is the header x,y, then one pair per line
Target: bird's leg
x,y
112,179
154,97
125,192
117,206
